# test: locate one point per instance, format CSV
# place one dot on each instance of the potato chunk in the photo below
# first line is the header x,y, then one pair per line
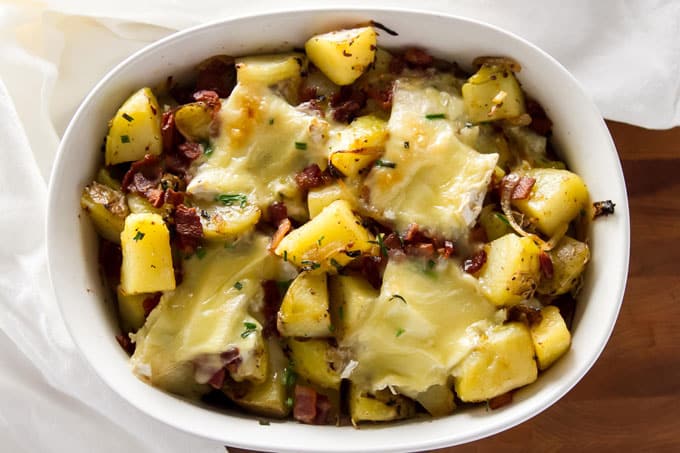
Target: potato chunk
x,y
502,362
343,55
351,296
379,407
556,198
270,69
107,209
193,121
328,241
511,271
304,310
550,336
320,197
227,221
358,145
493,93
314,360
135,130
147,258
569,259
437,400
131,310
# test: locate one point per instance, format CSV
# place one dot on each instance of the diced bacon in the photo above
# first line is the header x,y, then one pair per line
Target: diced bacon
x,y
546,265
217,74
500,401
150,303
272,303
418,58
217,379
210,98
284,228
277,212
311,177
174,198
188,228
125,343
474,264
523,188
304,409
144,175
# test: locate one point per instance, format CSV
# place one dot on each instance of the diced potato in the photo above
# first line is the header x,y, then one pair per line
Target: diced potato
x,y
359,145
550,336
494,223
316,361
107,209
193,121
350,297
135,130
343,55
104,177
224,222
493,93
304,310
351,163
556,198
147,257
379,407
320,197
270,69
437,400
569,259
140,205
502,362
324,242
131,310
511,271
269,397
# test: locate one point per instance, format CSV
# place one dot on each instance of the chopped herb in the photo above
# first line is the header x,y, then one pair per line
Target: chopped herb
x,y
271,121
400,332
124,139
289,376
250,327
380,243
318,241
352,253
301,146
407,145
205,214
128,118
139,236
263,422
238,285
229,199
385,163
331,328
207,149
335,264
310,265
289,401
429,268
341,313
435,116
397,296
200,253
502,218
285,255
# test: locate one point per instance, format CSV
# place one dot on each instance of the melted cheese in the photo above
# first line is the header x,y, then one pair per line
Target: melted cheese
x,y
438,181
258,150
205,316
413,341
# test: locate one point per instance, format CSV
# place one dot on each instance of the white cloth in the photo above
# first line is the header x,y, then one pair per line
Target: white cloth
x,y
626,55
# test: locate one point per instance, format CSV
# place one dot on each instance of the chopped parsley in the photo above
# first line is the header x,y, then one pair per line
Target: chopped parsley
x,y
301,146
271,121
331,328
397,296
429,268
289,376
250,327
207,149
335,264
310,265
238,285
318,241
200,253
385,163
502,218
435,116
380,243
289,401
229,199
400,332
139,236
128,118
285,255
124,139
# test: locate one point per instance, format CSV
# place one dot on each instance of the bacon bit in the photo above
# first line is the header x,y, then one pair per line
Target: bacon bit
x,y
308,93
397,65
110,260
420,249
603,208
392,242
312,107
125,343
217,74
283,229
371,267
174,198
448,250
311,177
188,228
190,151
474,264
210,98
540,123
346,103
277,213
546,265
500,401
179,271
478,234
418,58
305,404
144,175
150,303
413,234
382,96
520,312
523,188
156,197
272,303
169,133
323,410
217,380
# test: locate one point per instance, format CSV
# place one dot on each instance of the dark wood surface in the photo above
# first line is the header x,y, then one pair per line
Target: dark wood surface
x,y
630,400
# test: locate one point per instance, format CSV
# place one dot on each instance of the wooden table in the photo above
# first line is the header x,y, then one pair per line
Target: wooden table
x,y
630,400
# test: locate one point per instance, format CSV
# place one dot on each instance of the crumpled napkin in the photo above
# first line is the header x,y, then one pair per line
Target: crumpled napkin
x,y
626,55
